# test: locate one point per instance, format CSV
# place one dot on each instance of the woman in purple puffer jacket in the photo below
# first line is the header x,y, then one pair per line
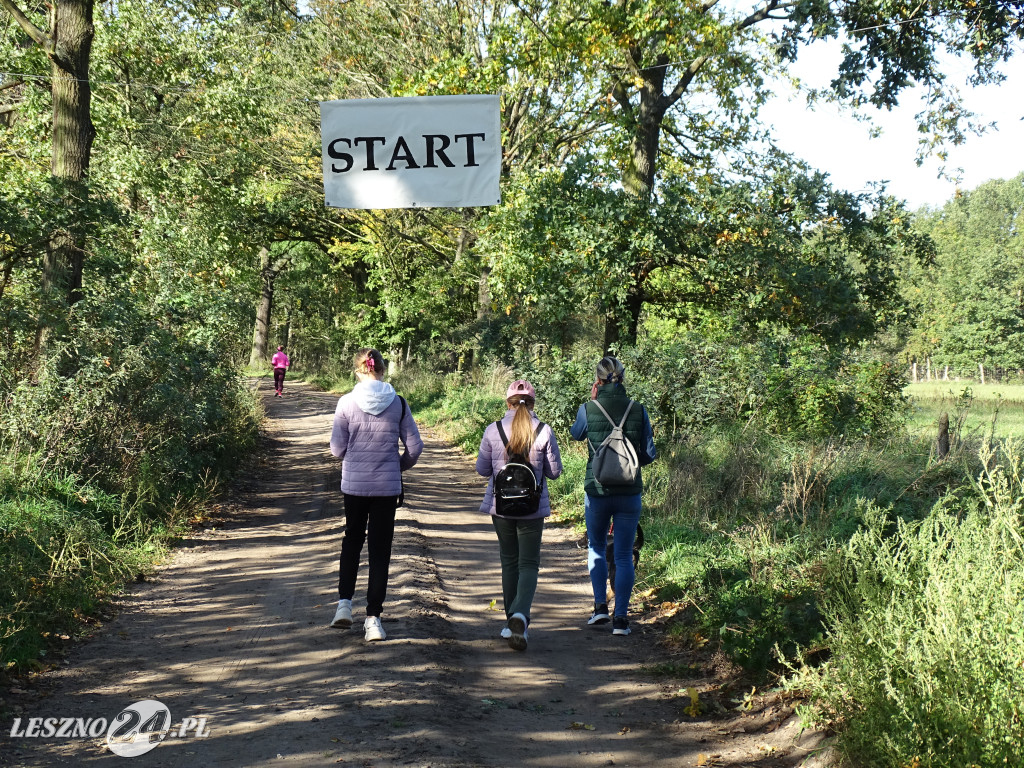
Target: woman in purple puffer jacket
x,y
519,537
369,422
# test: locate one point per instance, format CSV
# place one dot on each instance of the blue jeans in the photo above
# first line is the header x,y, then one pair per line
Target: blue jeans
x,y
519,550
600,512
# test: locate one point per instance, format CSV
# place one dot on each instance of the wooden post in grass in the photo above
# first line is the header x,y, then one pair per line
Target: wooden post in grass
x,y
981,372
943,445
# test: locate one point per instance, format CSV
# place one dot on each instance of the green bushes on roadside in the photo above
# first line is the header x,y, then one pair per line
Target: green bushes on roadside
x,y
126,429
927,635
64,547
143,419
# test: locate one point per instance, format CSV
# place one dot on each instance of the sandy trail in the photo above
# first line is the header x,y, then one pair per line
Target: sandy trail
x,y
234,629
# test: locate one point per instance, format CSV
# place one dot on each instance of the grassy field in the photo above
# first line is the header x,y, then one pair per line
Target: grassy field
x,y
983,408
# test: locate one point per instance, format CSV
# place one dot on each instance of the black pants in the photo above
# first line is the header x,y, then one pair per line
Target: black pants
x,y
279,378
370,517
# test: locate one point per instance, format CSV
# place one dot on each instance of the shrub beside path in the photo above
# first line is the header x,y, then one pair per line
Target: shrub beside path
x,y
234,628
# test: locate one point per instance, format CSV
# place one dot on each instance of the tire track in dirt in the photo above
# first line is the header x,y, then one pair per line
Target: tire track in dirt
x,y
234,628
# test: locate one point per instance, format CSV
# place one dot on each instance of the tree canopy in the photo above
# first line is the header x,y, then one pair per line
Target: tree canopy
x,y
637,178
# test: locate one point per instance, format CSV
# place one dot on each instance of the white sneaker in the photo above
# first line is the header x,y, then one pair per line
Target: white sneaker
x,y
517,627
343,617
373,630
506,633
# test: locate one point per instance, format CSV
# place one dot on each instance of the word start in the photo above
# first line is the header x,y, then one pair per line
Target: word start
x,y
436,147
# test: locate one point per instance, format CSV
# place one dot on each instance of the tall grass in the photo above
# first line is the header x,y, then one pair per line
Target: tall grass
x,y
742,524
927,632
65,546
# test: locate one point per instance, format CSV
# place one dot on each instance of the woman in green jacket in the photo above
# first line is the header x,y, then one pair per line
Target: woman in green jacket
x,y
618,504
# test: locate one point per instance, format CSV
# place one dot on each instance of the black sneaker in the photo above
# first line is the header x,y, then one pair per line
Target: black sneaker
x,y
600,615
620,625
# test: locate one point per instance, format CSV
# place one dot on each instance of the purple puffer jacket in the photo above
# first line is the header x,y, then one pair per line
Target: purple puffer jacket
x,y
365,436
544,456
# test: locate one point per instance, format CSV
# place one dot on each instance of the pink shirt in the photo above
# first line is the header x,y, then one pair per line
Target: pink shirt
x,y
279,360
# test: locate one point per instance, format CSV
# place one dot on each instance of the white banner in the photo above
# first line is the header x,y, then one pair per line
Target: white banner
x,y
416,152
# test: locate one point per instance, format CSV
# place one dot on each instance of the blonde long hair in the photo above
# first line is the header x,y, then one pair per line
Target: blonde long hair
x,y
368,361
521,439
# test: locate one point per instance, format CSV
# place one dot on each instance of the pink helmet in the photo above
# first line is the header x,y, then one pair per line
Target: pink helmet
x,y
520,387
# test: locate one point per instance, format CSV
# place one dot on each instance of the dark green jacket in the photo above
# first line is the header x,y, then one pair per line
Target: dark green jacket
x,y
594,427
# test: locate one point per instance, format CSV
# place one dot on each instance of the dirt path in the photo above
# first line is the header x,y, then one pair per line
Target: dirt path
x,y
234,629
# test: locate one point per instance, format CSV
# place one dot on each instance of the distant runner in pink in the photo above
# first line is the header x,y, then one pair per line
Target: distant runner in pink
x,y
280,364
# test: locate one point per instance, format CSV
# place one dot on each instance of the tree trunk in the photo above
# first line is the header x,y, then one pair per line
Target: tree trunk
x,y
286,333
72,30
943,442
261,331
622,322
68,45
258,355
483,312
612,332
639,174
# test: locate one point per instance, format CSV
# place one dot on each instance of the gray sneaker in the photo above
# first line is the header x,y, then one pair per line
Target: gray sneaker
x,y
343,616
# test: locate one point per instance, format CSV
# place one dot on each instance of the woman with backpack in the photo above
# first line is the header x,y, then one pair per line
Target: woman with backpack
x,y
369,422
621,441
518,453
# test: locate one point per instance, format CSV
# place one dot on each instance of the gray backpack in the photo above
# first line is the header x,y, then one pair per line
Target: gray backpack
x,y
615,461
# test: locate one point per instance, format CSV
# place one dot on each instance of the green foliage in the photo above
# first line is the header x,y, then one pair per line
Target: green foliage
x,y
562,243
783,250
460,407
970,308
65,546
927,662
140,410
562,385
814,391
128,426
759,621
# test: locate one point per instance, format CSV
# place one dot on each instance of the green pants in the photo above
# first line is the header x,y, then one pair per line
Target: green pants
x,y
519,548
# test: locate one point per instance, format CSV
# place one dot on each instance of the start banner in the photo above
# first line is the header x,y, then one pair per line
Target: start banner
x,y
415,152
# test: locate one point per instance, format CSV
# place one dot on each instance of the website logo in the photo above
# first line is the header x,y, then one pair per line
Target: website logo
x,y
134,731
